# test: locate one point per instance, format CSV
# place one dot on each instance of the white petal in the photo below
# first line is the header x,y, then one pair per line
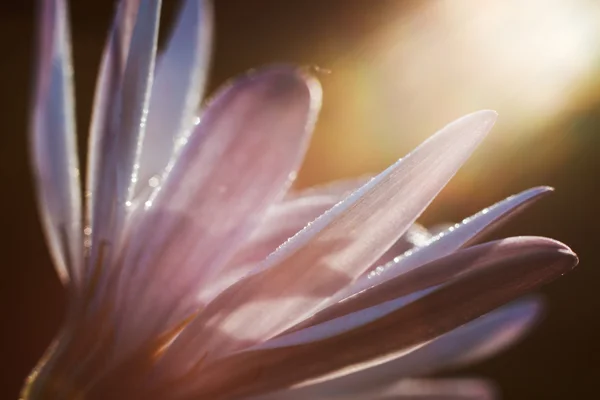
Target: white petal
x,y
53,143
178,87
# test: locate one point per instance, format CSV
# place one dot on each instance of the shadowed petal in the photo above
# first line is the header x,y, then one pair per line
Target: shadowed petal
x,y
438,389
52,143
447,242
235,165
432,274
334,249
407,389
178,87
450,306
473,341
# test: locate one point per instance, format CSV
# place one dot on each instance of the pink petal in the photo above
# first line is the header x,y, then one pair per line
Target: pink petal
x,y
340,188
53,145
431,275
473,341
236,164
334,249
447,242
281,222
413,389
178,87
416,236
437,389
432,389
450,306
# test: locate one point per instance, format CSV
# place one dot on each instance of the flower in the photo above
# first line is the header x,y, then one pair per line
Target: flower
x,y
177,289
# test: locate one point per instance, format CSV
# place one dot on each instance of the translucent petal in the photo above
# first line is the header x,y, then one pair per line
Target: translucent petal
x,y
178,87
473,341
281,222
414,325
53,143
236,164
102,138
340,188
406,389
333,250
432,274
119,122
447,242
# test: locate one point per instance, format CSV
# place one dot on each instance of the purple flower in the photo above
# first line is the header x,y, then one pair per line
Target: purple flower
x,y
194,273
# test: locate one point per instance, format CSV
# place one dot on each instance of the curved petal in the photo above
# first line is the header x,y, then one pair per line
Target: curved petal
x,y
407,389
53,143
119,122
236,164
432,274
410,326
334,249
473,341
445,243
176,92
100,142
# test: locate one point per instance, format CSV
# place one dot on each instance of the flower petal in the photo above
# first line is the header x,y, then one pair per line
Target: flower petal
x,y
416,236
413,389
101,138
118,126
334,249
281,222
176,92
53,143
445,243
134,97
431,275
436,389
236,164
450,306
473,341
340,188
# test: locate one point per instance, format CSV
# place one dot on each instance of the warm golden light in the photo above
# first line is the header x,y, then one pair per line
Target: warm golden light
x,y
534,62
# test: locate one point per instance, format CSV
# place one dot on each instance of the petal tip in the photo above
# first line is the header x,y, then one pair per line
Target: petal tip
x,y
570,255
487,118
544,189
285,80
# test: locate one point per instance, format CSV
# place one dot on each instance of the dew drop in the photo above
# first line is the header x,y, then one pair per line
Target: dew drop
x,y
154,181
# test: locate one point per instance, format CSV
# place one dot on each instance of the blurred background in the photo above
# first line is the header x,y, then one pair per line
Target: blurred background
x,y
393,72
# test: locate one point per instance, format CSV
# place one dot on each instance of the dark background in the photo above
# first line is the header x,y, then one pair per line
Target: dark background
x,y
561,359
